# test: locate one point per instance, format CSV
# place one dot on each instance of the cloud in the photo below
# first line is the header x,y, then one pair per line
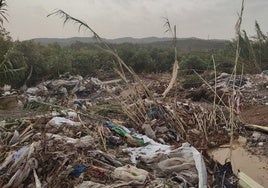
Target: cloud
x,y
135,18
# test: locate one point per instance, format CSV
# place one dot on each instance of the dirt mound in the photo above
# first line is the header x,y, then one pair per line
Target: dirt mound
x,y
255,114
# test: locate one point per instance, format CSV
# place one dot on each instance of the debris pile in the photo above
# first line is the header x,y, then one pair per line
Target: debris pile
x,y
115,133
225,83
55,152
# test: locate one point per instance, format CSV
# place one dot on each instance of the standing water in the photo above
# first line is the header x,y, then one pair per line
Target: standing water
x,y
254,166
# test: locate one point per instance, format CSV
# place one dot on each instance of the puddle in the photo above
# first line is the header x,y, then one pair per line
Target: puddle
x,y
254,166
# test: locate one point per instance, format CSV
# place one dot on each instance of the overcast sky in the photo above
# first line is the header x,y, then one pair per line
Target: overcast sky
x,y
134,18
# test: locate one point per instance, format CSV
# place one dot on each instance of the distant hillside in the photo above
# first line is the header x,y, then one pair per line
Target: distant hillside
x,y
68,41
193,44
183,44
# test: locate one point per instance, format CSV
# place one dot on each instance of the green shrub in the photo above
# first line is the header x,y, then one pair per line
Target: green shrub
x,y
191,63
191,81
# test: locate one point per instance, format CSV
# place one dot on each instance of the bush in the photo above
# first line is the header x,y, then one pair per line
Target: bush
x,y
191,81
191,63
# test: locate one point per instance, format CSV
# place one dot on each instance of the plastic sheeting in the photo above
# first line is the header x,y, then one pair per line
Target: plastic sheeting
x,y
186,151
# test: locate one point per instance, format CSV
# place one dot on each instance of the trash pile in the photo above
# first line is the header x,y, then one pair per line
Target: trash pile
x,y
115,133
248,85
64,89
58,152
8,98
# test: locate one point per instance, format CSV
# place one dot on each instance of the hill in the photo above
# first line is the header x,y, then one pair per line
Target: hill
x,y
183,44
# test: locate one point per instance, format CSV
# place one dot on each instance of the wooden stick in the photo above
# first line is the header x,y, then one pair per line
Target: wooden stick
x,y
246,181
257,127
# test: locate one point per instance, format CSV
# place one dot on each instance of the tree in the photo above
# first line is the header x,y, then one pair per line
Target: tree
x,y
140,61
191,63
56,59
5,44
3,13
261,46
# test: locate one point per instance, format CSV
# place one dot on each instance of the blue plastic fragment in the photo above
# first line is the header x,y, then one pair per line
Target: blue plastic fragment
x,y
131,129
154,111
78,170
78,103
109,124
17,155
2,172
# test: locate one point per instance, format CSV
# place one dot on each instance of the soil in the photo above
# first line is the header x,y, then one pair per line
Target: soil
x,y
255,114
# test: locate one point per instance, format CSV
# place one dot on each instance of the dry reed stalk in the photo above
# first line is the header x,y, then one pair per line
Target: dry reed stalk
x,y
26,130
215,89
232,99
175,119
128,106
103,140
135,76
211,88
135,104
37,181
201,125
223,116
80,120
231,106
173,78
131,114
176,63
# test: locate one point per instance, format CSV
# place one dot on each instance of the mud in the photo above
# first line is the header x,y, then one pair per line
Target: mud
x,y
254,166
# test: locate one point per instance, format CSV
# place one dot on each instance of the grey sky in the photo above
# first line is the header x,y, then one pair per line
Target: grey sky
x,y
135,18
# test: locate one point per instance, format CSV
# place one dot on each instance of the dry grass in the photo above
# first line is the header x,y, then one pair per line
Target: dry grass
x,y
234,91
